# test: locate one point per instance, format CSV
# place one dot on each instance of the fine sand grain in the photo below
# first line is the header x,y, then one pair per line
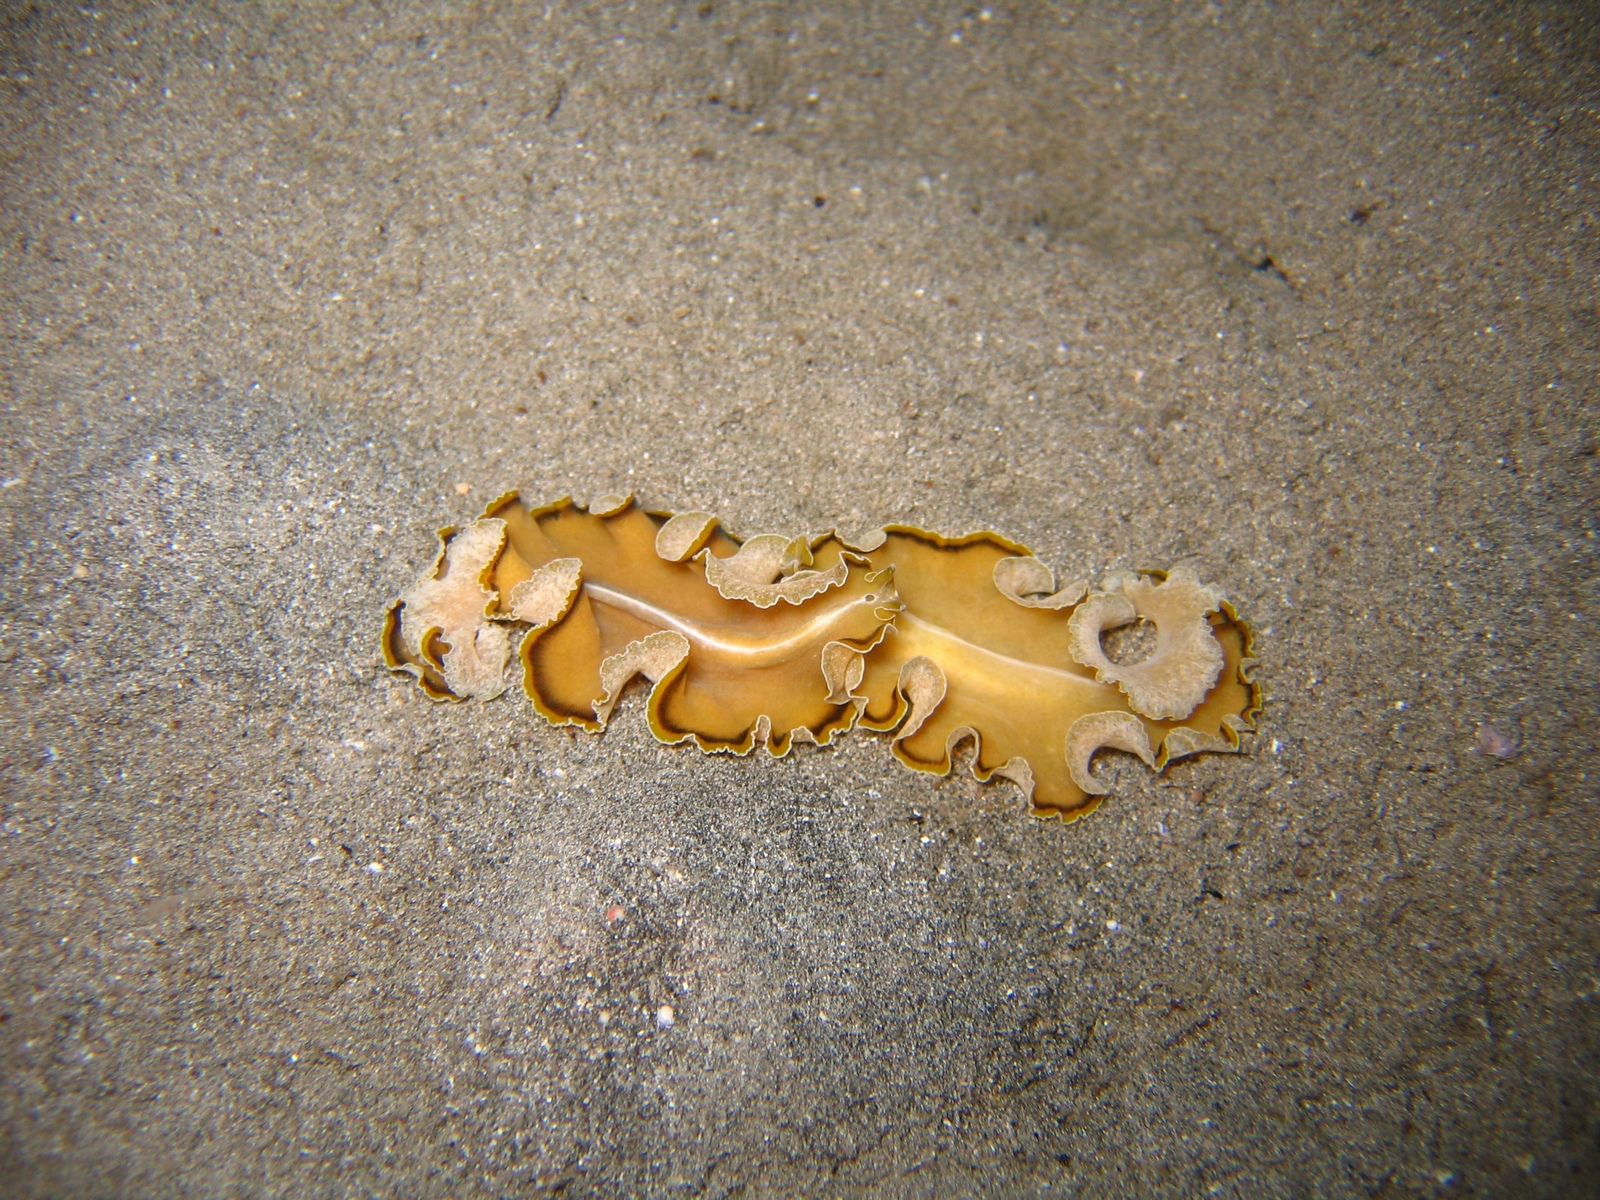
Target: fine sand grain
x,y
1301,294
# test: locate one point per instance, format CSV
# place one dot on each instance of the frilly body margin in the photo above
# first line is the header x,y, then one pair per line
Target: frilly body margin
x,y
778,574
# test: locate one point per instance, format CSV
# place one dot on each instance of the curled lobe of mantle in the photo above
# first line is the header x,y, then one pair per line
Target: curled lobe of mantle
x,y
1013,683
935,641
732,663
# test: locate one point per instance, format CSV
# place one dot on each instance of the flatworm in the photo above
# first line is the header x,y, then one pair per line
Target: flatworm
x,y
933,641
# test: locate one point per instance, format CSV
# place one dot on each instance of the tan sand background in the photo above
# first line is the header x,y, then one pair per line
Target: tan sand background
x,y
1302,293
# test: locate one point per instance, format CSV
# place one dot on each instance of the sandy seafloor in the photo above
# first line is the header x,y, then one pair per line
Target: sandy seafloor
x,y
1304,294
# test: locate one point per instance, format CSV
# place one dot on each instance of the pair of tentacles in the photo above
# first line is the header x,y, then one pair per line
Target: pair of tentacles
x,y
933,641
